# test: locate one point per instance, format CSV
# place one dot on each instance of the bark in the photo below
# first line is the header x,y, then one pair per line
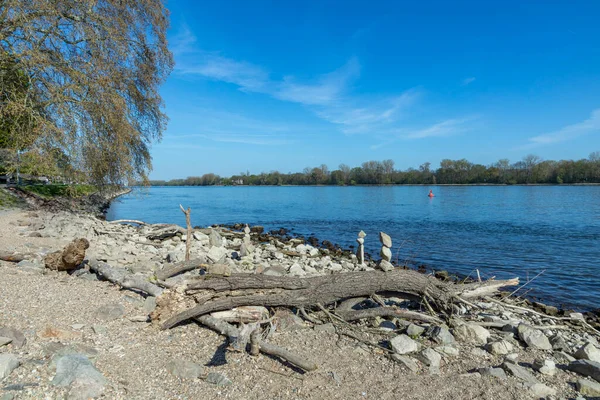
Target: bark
x,y
386,312
223,293
180,267
188,222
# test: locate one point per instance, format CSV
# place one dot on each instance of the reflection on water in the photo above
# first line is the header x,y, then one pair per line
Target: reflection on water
x,y
503,231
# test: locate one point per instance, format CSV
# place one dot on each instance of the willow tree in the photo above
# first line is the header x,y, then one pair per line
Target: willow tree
x,y
83,76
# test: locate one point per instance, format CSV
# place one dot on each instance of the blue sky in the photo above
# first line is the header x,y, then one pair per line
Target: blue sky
x,y
276,85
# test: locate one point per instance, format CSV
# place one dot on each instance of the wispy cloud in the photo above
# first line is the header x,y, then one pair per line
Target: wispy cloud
x,y
468,81
590,125
328,95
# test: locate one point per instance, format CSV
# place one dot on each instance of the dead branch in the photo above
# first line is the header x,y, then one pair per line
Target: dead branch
x,y
188,242
231,332
178,268
124,279
128,221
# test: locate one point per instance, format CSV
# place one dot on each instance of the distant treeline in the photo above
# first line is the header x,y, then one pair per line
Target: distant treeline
x,y
531,169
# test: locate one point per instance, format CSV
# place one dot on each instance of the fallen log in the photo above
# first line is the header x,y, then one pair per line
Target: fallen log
x,y
124,279
224,293
180,267
232,333
128,221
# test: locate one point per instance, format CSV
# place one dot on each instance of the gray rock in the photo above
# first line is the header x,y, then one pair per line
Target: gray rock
x,y
217,254
386,254
472,333
329,328
563,357
477,352
109,312
588,388
5,340
448,350
588,352
519,372
185,369
30,267
58,350
215,238
494,372
218,379
533,337
362,234
386,266
414,330
402,344
586,368
558,343
545,367
406,361
275,270
499,348
539,390
296,270
385,239
150,304
441,335
388,325
8,363
76,371
429,357
99,329
18,339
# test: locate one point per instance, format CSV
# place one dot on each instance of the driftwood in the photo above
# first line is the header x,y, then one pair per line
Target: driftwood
x,y
165,232
354,315
128,221
180,267
233,333
224,293
124,279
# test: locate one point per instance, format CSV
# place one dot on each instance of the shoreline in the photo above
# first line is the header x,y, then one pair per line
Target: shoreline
x,y
72,306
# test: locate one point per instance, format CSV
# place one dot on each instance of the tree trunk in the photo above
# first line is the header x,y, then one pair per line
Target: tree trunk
x,y
216,293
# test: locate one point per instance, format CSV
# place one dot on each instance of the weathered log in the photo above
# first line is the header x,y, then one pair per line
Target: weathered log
x,y
243,314
124,279
165,232
189,238
251,289
354,315
231,332
128,221
180,267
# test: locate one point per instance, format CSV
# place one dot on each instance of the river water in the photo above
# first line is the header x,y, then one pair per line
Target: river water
x,y
552,232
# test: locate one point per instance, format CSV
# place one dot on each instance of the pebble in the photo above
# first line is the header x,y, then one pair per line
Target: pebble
x,y
184,369
472,333
533,337
8,363
218,379
402,344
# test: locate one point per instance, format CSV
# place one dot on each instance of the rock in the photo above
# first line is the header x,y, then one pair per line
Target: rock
x,y
545,367
386,266
519,372
57,350
495,372
296,270
110,312
512,357
448,350
386,254
285,320
539,390
139,318
149,304
217,254
441,335
362,234
78,327
29,266
184,369
477,352
69,258
402,344
499,348
246,249
559,343
275,270
533,337
5,340
18,339
563,357
385,239
414,330
406,361
76,371
8,363
588,352
429,357
588,388
218,379
472,333
99,329
329,328
387,325
586,368
215,239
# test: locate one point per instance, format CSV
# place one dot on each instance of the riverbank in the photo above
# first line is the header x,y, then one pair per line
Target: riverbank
x,y
61,313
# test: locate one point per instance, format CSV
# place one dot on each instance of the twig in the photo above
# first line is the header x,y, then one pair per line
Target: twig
x,y
526,283
188,242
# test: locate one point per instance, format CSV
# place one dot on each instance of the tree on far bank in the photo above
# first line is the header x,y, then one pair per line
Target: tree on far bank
x,y
83,76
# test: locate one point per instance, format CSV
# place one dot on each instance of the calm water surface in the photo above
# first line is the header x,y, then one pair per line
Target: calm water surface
x,y
504,231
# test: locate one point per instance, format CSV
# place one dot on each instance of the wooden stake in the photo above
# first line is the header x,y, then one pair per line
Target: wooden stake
x,y
188,242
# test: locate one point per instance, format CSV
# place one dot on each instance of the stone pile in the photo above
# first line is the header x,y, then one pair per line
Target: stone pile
x,y
386,252
360,252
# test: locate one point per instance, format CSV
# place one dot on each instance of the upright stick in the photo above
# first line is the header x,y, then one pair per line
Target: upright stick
x,y
188,242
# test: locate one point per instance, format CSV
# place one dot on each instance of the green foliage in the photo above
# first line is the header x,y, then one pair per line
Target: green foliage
x,y
73,191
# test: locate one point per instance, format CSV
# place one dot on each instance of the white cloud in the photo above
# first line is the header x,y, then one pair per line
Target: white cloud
x,y
590,125
468,81
445,128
